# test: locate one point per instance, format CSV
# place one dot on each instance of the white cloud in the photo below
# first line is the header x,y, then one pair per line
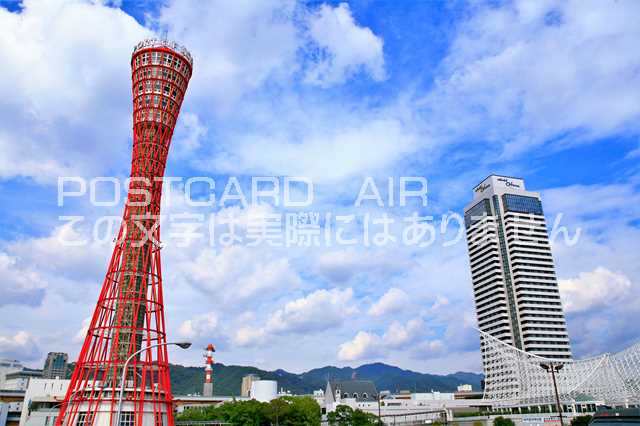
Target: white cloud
x,y
237,46
323,141
255,52
609,241
318,311
21,345
189,134
598,288
363,346
525,73
593,203
239,272
67,252
45,267
249,336
399,336
394,300
66,81
202,325
20,285
82,333
428,349
440,302
340,266
66,74
345,47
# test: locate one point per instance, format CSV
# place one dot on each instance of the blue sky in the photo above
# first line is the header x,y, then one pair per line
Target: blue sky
x,y
450,91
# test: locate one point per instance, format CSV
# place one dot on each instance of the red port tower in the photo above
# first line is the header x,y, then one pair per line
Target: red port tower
x,y
129,315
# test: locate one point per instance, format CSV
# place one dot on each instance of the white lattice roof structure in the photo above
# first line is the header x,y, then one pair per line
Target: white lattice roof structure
x,y
515,377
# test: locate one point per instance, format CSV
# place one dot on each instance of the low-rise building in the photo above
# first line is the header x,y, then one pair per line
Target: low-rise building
x,y
10,407
245,387
42,401
318,395
19,380
465,388
8,366
349,391
403,406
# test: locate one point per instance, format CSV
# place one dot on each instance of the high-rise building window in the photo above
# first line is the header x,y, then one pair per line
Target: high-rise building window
x,y
521,204
477,212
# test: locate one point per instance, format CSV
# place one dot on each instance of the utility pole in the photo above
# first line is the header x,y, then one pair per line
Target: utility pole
x,y
379,411
553,369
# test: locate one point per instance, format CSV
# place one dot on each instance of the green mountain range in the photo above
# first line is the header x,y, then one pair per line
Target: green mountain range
x,y
227,378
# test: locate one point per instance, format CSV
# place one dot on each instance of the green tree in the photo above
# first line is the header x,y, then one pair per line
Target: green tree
x,y
344,415
341,416
360,418
280,412
303,410
501,421
246,413
285,411
581,420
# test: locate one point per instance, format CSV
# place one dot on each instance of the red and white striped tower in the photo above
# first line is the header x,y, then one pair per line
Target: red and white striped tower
x,y
207,389
127,326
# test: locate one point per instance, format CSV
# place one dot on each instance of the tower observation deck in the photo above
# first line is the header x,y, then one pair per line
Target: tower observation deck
x,y
129,315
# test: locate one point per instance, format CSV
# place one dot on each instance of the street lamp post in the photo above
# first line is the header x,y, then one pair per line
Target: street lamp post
x,y
553,369
183,345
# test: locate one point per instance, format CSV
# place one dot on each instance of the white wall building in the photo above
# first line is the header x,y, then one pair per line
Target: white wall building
x,y
264,390
8,366
433,396
42,401
19,380
514,281
465,388
318,395
403,407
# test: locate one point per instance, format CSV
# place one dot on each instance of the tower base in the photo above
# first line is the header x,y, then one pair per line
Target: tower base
x,y
207,389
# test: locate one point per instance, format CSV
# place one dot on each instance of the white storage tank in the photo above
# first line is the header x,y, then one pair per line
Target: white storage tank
x,y
264,390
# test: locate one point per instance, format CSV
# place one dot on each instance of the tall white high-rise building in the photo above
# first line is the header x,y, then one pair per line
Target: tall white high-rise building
x,y
514,281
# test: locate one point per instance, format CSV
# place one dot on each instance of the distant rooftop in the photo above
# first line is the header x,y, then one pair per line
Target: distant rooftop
x,y
26,372
497,175
362,390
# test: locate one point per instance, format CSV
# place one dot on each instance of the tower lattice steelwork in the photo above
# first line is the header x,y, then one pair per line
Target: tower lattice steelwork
x,y
129,315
